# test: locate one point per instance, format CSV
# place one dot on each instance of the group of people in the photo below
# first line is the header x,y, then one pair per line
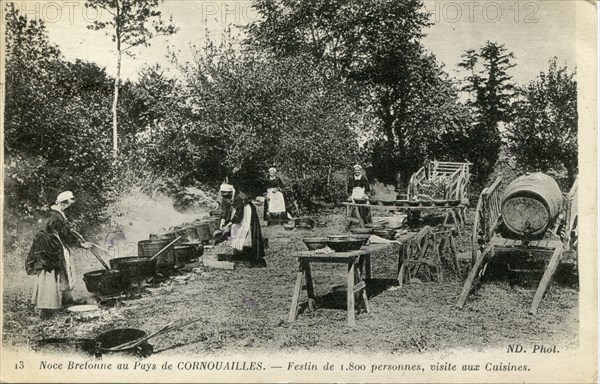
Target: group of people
x,y
49,257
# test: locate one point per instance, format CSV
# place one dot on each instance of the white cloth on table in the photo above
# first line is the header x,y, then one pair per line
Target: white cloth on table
x,y
374,239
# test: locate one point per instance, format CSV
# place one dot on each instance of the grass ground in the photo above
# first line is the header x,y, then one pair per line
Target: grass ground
x,y
244,310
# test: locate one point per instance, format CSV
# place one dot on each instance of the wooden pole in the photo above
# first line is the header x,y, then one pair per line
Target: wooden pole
x,y
546,278
462,298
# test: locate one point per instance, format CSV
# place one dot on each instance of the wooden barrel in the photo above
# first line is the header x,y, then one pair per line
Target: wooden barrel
x,y
530,204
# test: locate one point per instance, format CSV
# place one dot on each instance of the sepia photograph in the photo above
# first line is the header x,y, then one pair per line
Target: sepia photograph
x,y
299,191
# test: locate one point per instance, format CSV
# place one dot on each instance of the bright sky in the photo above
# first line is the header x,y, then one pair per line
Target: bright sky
x,y
534,31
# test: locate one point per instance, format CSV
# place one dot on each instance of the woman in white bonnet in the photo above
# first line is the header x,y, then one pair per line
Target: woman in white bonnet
x,y
274,208
239,220
50,259
358,191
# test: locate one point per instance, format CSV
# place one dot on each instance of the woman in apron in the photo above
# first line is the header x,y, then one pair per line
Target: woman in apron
x,y
239,218
358,189
274,200
50,259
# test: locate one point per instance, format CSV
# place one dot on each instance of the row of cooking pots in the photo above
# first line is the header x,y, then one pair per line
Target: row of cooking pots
x,y
127,270
200,230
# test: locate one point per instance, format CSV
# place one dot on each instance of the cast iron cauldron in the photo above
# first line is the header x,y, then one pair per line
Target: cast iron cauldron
x,y
186,252
110,339
135,268
149,248
204,229
106,282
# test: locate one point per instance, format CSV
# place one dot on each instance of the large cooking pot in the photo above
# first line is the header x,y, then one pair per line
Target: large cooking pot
x,y
106,283
213,222
186,232
149,248
185,252
204,229
163,235
115,337
135,268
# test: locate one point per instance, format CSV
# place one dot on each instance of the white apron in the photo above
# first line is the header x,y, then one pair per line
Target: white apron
x,y
276,201
50,286
358,193
240,233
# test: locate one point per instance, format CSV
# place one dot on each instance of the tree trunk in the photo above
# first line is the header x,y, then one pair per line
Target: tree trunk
x,y
115,131
114,107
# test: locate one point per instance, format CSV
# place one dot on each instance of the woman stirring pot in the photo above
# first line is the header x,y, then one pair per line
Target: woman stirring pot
x,y
50,259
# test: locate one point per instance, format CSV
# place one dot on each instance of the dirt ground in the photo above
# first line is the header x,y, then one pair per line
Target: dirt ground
x,y
245,310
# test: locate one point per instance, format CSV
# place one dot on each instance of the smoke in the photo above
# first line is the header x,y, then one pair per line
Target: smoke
x,y
136,215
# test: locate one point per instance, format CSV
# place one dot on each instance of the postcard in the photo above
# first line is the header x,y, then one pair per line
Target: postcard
x,y
299,191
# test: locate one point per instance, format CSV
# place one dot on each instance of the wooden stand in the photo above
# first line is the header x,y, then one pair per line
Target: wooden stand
x,y
456,213
425,249
359,269
499,244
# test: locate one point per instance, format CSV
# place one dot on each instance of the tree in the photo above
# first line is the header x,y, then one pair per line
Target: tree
x,y
243,111
375,49
543,135
490,90
55,112
132,23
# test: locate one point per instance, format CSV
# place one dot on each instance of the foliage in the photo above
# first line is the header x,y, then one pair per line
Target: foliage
x,y
489,90
243,113
53,120
132,23
543,135
56,139
375,49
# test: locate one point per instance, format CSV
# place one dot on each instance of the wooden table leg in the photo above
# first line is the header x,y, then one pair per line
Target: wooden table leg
x,y
455,257
310,287
361,280
350,294
367,266
457,223
297,288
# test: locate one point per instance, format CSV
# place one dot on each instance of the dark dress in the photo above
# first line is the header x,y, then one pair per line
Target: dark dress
x,y
256,251
48,259
273,183
46,252
363,182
